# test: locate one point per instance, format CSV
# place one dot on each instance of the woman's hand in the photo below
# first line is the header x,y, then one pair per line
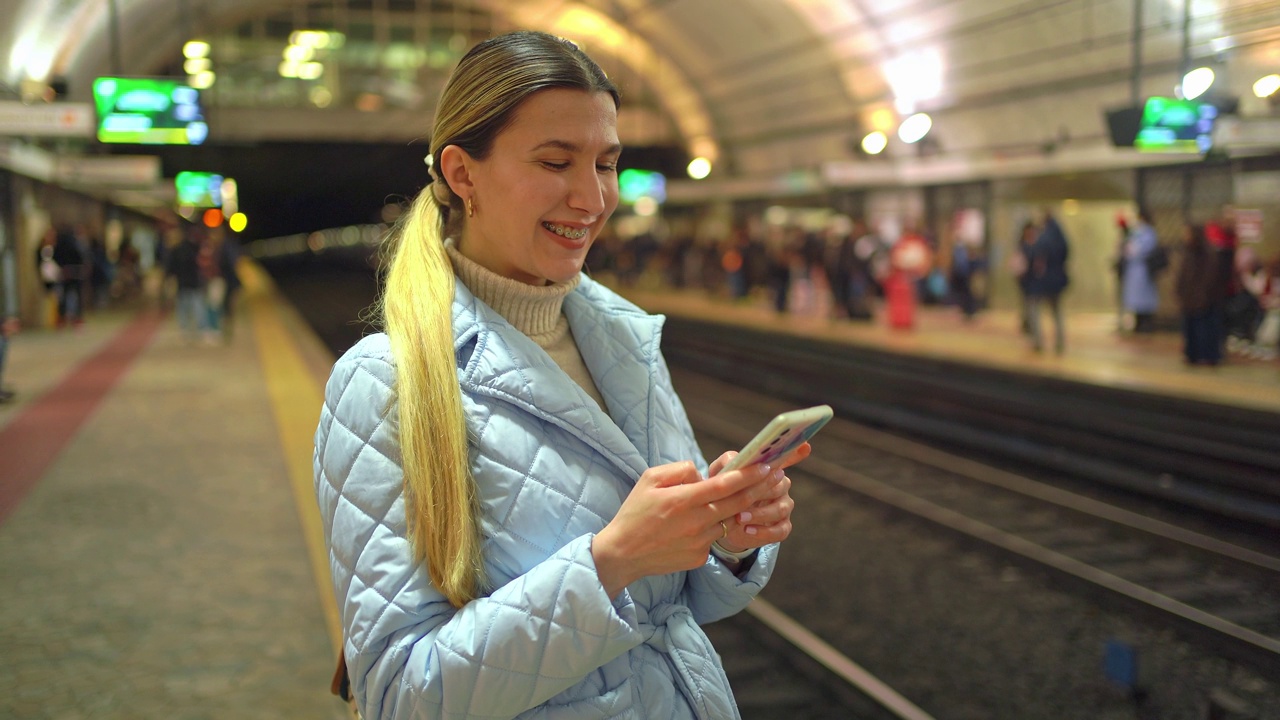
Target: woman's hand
x,y
769,519
672,516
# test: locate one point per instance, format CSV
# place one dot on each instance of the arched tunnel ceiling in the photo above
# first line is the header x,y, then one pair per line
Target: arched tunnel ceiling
x,y
777,85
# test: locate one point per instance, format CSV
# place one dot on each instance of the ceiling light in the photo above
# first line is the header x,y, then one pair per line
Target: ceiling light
x,y
195,49
1196,82
699,168
1267,85
874,143
914,128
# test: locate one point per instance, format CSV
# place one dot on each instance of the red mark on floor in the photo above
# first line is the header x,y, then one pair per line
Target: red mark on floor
x,y
33,440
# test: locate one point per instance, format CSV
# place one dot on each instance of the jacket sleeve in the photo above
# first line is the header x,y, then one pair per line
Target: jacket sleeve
x,y
409,652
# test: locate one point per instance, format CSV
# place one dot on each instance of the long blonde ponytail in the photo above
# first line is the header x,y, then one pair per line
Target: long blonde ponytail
x,y
440,498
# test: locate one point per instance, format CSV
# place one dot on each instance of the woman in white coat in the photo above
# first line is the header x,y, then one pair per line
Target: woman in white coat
x,y
519,520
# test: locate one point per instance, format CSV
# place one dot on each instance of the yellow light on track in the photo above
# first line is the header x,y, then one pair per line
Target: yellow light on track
x,y
238,222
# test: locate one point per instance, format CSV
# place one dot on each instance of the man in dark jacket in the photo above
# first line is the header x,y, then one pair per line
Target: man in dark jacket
x,y
1047,279
183,265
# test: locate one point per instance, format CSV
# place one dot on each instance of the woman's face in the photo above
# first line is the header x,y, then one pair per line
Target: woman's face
x,y
544,193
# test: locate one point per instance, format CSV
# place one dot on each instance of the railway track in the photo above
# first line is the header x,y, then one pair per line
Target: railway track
x,y
1213,458
1225,597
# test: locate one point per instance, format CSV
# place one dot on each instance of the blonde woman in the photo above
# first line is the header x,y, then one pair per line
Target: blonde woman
x,y
520,522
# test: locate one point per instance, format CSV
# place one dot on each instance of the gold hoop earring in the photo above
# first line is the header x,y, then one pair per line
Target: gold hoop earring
x,y
471,208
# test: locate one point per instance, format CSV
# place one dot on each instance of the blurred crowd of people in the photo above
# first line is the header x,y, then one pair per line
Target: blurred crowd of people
x,y
201,264
1228,299
193,272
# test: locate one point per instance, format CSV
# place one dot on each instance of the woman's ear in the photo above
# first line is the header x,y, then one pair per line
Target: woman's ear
x,y
455,169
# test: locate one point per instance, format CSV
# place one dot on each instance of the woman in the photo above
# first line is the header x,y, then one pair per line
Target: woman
x,y
518,515
1200,292
1141,295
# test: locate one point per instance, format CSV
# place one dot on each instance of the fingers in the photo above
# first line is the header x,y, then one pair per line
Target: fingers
x,y
720,488
672,474
718,464
795,456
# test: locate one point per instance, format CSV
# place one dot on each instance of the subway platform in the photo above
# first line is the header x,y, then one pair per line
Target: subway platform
x,y
158,537
159,544
1096,353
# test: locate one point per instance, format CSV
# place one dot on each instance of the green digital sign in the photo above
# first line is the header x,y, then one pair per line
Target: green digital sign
x,y
199,189
1175,125
634,184
148,111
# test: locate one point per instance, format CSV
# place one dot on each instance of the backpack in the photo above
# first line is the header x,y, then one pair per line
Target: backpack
x,y
1158,260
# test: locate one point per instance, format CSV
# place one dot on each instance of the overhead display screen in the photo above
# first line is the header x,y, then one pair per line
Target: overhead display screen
x,y
634,184
1172,125
199,189
148,111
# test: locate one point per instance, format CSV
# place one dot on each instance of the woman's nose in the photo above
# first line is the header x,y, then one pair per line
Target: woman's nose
x,y
588,192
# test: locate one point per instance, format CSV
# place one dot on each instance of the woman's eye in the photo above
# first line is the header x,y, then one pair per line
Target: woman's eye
x,y
555,165
607,168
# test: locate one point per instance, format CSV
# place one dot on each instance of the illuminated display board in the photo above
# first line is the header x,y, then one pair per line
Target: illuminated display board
x,y
1172,125
148,111
199,189
634,184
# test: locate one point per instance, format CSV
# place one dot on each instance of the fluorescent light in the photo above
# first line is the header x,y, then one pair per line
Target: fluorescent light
x,y
195,49
1267,85
874,143
1196,82
914,128
699,168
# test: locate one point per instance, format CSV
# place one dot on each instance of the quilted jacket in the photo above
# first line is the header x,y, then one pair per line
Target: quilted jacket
x,y
552,468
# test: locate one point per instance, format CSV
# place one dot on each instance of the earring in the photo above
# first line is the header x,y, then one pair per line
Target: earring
x,y
471,208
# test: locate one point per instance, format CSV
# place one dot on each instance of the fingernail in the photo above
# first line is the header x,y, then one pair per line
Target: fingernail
x,y
750,530
743,517
778,475
764,468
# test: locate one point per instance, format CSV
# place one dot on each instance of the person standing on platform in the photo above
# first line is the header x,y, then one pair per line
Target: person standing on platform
x,y
1141,297
73,264
183,264
910,260
229,259
1047,271
1019,265
518,517
1200,290
1118,264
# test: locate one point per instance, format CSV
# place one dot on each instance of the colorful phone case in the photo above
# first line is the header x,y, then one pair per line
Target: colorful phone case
x,y
783,434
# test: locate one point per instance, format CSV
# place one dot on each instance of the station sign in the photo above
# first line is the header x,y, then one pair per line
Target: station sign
x,y
63,119
109,170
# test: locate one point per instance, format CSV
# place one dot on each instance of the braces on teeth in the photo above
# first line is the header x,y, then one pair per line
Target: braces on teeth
x,y
566,232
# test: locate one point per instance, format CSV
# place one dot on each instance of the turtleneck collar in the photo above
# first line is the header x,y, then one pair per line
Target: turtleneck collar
x,y
533,310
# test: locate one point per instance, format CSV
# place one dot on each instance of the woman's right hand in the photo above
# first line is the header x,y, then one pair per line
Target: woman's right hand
x,y
670,519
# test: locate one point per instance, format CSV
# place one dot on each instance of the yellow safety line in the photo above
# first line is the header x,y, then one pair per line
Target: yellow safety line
x,y
295,400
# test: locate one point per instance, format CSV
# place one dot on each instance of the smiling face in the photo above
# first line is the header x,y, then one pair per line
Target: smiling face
x,y
546,188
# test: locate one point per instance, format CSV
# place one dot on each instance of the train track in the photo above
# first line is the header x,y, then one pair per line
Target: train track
x,y
1213,592
1219,459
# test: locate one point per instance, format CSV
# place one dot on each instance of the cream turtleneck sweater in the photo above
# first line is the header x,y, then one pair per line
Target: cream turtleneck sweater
x,y
535,311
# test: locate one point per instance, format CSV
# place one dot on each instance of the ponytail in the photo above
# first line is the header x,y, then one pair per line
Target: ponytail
x,y
441,509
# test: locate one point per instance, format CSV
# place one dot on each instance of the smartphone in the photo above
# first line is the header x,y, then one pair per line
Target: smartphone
x,y
786,432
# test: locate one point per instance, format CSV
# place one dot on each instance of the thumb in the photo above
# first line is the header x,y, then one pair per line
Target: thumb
x,y
672,474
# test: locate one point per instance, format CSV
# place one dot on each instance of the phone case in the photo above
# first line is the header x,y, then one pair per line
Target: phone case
x,y
783,434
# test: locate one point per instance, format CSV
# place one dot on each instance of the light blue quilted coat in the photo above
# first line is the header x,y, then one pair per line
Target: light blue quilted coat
x,y
552,469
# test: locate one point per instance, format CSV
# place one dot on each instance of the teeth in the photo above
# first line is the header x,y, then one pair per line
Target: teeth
x,y
568,232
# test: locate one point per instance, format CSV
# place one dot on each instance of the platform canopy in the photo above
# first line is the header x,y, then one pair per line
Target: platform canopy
x,y
782,89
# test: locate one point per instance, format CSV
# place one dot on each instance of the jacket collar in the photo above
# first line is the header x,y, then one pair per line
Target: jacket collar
x,y
619,344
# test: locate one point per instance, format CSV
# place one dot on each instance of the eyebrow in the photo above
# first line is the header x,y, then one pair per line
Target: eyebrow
x,y
574,147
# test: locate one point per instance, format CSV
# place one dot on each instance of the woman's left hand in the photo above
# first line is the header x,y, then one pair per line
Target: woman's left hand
x,y
769,519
